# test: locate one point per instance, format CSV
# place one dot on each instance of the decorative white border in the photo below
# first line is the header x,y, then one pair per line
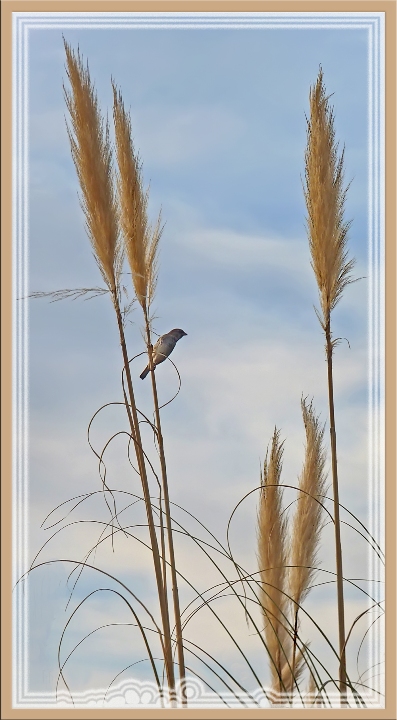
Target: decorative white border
x,y
135,694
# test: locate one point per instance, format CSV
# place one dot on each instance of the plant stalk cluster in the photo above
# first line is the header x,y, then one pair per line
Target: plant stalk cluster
x,y
117,226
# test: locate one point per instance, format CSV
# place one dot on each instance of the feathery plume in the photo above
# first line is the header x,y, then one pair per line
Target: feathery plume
x,y
140,238
92,156
307,523
272,555
325,201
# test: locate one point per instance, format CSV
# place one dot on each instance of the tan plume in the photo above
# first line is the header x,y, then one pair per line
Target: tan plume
x,y
325,201
272,558
140,238
92,156
307,522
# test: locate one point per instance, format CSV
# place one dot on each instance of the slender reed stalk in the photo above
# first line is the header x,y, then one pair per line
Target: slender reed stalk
x,y
272,559
134,423
141,244
307,523
325,197
92,156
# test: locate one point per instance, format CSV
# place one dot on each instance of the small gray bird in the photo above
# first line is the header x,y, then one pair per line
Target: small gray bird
x,y
164,347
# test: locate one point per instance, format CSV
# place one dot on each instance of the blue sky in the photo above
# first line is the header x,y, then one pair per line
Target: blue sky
x,y
218,116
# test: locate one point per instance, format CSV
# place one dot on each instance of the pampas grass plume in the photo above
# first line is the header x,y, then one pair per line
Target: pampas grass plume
x,y
307,522
325,201
92,156
272,558
140,239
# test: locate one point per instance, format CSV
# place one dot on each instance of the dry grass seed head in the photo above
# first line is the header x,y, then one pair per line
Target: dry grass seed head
x,y
272,537
92,156
307,522
325,201
140,239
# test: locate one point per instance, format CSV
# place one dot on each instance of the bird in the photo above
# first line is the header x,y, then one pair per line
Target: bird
x,y
164,347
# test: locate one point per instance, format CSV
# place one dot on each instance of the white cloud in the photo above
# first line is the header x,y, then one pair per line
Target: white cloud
x,y
247,252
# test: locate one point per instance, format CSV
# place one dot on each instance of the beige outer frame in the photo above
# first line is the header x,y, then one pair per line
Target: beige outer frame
x,y
389,8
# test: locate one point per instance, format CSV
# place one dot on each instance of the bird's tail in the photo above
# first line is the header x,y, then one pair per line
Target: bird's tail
x,y
145,372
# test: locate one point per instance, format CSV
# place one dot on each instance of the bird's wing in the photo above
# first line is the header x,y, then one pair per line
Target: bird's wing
x,y
157,343
159,349
164,347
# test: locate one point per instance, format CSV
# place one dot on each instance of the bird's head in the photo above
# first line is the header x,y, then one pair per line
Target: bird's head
x,y
177,333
